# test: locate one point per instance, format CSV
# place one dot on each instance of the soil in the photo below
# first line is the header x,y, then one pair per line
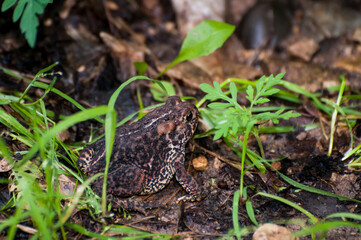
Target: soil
x,y
97,42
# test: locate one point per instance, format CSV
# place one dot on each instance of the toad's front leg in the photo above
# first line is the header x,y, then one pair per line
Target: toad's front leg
x,y
187,181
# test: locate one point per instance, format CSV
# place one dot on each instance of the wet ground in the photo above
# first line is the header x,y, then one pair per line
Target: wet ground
x,y
97,42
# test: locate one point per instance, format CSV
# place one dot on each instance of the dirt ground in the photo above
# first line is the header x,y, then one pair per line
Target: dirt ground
x,y
314,42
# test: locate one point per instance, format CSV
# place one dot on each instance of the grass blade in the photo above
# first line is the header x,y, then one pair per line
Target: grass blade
x,y
312,217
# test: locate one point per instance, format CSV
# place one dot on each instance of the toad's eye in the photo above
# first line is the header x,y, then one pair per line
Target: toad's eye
x,y
189,117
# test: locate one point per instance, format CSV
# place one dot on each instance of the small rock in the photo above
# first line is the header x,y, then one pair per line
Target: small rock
x,y
356,36
64,135
217,164
301,136
4,165
303,48
270,231
66,185
277,165
344,184
200,163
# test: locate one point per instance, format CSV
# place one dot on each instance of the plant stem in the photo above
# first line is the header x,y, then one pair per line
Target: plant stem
x,y
334,115
256,134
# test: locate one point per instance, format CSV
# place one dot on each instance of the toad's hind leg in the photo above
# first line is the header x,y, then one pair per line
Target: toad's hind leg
x,y
126,181
123,181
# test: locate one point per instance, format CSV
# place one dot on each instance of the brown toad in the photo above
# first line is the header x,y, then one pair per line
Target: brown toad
x,y
146,154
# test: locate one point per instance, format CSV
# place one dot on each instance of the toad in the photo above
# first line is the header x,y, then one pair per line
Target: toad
x,y
146,155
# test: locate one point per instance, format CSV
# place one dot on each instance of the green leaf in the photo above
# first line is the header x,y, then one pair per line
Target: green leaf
x,y
235,213
222,130
217,87
312,217
250,212
19,10
205,87
279,77
233,90
259,84
270,92
214,93
261,100
345,215
219,105
250,92
323,227
7,4
289,115
202,40
38,7
29,23
235,125
158,92
12,123
85,232
313,190
271,81
218,134
45,2
28,11
141,67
